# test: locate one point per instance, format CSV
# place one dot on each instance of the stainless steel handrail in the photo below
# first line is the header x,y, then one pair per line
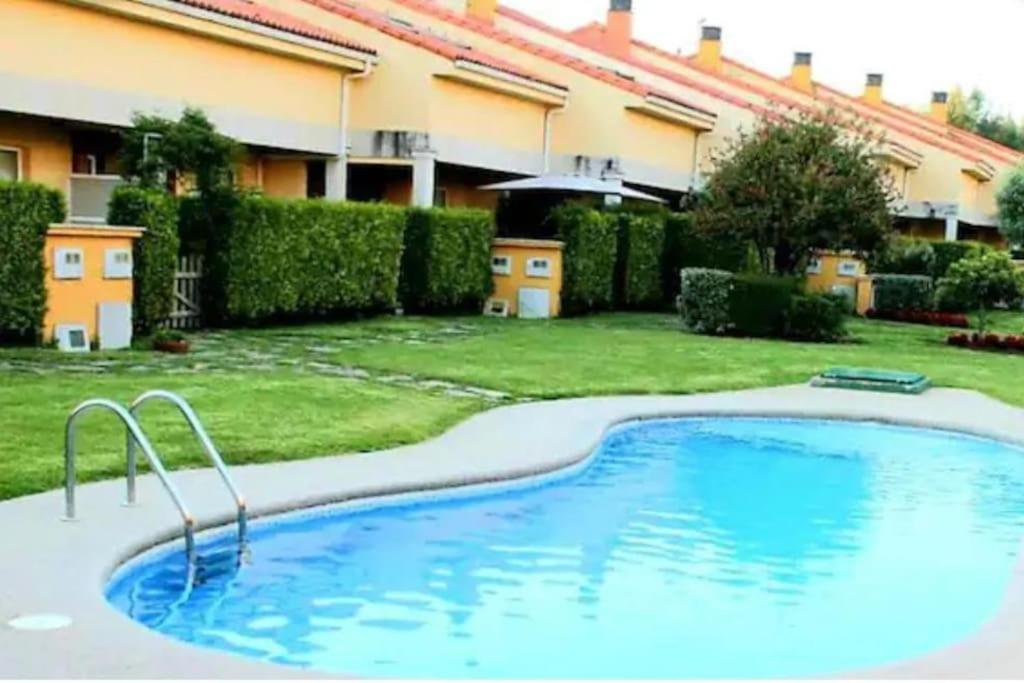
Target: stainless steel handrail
x,y
204,440
137,436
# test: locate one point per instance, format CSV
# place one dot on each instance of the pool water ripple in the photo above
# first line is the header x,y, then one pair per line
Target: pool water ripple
x,y
711,547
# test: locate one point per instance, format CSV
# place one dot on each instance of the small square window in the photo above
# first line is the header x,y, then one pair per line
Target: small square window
x,y
814,266
501,265
538,267
68,264
117,264
72,338
10,164
849,268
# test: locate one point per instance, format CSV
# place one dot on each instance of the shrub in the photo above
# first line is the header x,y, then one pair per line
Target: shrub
x,y
685,247
948,253
1011,207
641,242
983,282
26,212
758,304
446,263
816,318
905,256
936,318
306,258
903,292
156,252
590,246
704,299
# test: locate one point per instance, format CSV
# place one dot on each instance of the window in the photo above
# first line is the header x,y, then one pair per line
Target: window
x,y
117,264
849,269
501,265
10,164
538,267
68,264
441,197
316,179
814,266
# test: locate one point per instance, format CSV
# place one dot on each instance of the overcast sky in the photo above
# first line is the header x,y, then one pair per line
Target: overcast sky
x,y
920,45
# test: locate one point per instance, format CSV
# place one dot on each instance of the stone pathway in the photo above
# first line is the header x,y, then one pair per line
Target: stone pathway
x,y
262,351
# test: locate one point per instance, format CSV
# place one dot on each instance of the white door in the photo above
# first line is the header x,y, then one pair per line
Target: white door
x,y
115,325
534,303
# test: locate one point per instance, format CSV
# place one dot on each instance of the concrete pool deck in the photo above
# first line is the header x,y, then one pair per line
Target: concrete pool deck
x,y
52,567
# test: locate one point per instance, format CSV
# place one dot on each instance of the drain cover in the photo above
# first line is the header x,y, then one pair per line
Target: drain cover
x,y
40,622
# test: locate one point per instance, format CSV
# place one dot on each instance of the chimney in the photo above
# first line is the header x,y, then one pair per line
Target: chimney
x,y
801,76
484,10
709,52
619,28
940,107
873,89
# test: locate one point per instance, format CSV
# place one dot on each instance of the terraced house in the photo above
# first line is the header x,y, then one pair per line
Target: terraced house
x,y
424,101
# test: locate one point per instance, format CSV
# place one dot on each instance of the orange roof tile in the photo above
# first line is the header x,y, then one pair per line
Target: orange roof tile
x,y
426,40
271,18
590,36
491,31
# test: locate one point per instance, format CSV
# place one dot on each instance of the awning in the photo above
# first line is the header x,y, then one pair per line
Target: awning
x,y
572,183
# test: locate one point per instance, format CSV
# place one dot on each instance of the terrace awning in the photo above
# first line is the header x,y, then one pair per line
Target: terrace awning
x,y
572,183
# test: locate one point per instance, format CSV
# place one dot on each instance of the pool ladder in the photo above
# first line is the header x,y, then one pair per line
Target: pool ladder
x,y
137,439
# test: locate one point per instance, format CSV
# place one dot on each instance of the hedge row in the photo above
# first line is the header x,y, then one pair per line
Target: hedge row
x,y
305,258
156,253
446,265
631,258
591,242
26,211
903,292
914,256
719,302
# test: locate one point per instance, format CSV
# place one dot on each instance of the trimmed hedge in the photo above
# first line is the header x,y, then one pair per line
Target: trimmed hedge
x,y
589,257
905,256
306,258
685,247
758,304
446,264
704,299
903,292
638,277
156,253
948,253
816,318
26,211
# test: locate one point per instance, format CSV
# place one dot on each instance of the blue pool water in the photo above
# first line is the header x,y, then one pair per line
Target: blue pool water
x,y
720,547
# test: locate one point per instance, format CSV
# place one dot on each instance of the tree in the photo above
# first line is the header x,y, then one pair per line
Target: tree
x,y
796,184
189,150
974,113
983,282
1011,208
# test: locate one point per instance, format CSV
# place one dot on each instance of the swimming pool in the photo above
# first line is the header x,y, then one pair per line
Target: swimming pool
x,y
717,547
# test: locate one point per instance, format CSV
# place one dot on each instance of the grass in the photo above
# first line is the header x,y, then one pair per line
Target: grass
x,y
283,393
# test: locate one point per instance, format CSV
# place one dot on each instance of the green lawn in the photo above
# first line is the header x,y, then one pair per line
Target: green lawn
x,y
288,393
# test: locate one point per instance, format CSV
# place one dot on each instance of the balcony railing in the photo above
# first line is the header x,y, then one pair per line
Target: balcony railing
x,y
90,197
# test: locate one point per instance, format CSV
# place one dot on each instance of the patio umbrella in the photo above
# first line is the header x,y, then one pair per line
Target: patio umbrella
x,y
572,183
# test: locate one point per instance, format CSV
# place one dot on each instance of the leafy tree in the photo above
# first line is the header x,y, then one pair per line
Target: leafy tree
x,y
796,184
982,283
1011,208
974,113
189,150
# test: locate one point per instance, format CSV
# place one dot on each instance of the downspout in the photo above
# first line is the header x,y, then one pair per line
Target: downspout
x,y
696,160
346,89
549,115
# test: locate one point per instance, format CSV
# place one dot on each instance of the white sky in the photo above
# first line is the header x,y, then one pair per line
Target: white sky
x,y
920,45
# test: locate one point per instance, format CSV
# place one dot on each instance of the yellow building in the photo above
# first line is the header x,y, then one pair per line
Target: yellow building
x,y
425,101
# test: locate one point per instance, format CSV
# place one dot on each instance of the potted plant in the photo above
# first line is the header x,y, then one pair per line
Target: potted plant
x,y
171,341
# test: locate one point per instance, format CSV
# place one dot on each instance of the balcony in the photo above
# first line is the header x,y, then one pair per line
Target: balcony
x,y
90,197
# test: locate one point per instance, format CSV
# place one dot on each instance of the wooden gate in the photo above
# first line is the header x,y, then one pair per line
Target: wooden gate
x,y
187,313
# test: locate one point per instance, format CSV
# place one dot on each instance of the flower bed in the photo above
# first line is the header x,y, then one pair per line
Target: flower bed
x,y
987,342
936,318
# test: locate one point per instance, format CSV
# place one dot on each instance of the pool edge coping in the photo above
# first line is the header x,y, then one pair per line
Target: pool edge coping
x,y
618,412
